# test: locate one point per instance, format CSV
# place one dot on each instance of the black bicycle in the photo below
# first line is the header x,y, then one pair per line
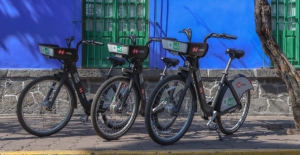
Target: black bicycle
x,y
174,98
46,104
116,103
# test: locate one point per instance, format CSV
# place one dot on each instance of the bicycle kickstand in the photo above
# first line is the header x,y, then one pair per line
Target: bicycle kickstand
x,y
85,117
214,126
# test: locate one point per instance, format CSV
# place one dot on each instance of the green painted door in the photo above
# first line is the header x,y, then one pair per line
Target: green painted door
x,y
285,25
111,21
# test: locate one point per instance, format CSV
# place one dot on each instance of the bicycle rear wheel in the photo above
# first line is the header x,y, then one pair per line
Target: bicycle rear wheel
x,y
231,122
33,110
110,118
163,126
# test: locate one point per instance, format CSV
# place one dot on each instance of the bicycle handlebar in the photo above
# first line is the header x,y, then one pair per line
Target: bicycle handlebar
x,y
153,39
223,35
93,42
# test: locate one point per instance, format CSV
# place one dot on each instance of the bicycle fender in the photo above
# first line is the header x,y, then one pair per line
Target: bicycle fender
x,y
69,84
240,84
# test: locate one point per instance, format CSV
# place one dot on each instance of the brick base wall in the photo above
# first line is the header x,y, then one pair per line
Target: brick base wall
x,y
269,96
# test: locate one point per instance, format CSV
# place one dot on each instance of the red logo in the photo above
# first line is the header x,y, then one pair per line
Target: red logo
x,y
143,91
195,49
135,51
80,90
61,52
239,85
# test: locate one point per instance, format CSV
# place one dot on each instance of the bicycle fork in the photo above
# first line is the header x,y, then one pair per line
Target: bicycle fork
x,y
47,103
115,107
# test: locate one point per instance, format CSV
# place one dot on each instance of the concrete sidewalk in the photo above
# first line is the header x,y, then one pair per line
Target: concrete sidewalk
x,y
259,135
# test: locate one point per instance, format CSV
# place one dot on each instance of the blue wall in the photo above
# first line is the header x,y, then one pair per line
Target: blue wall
x,y
25,23
234,17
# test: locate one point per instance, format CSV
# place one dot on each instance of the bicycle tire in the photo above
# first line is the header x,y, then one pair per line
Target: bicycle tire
x,y
35,90
102,125
224,126
151,125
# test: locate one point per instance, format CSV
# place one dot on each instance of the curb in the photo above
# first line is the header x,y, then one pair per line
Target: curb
x,y
165,152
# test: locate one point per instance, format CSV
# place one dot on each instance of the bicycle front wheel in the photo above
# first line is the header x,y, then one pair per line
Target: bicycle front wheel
x,y
231,122
163,124
113,114
34,111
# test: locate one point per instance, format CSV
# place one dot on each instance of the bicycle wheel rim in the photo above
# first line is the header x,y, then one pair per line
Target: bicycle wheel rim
x,y
231,122
180,124
112,123
36,116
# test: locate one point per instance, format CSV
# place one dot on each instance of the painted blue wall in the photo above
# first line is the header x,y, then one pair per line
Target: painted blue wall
x,y
234,17
25,23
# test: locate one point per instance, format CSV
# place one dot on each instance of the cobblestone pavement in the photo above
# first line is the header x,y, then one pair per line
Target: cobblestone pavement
x,y
259,133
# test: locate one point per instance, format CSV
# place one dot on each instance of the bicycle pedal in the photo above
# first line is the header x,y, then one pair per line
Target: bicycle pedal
x,y
212,126
84,118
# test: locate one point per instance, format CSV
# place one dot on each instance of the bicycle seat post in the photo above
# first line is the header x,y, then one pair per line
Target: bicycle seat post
x,y
228,65
163,74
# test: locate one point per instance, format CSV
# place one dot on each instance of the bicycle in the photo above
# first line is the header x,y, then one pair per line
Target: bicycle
x,y
54,96
174,97
116,102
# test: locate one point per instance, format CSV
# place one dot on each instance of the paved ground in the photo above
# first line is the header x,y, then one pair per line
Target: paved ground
x,y
259,135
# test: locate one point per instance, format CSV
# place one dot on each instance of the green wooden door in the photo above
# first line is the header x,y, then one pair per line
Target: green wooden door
x,y
285,25
111,21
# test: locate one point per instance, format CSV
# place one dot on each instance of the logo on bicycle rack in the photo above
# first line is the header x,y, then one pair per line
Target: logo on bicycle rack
x,y
80,90
195,49
175,46
135,51
46,50
61,52
119,49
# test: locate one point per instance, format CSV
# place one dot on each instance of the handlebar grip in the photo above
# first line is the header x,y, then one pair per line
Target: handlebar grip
x,y
98,43
229,36
156,39
93,42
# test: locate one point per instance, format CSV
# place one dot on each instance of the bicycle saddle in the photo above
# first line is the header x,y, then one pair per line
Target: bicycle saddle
x,y
117,61
172,61
236,53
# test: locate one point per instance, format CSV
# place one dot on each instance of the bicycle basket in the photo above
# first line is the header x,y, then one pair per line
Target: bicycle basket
x,y
173,45
197,49
54,51
129,51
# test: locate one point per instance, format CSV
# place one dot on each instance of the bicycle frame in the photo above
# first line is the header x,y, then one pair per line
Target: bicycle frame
x,y
70,67
136,79
190,71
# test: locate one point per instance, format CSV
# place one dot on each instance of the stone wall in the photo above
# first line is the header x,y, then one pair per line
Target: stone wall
x,y
269,96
